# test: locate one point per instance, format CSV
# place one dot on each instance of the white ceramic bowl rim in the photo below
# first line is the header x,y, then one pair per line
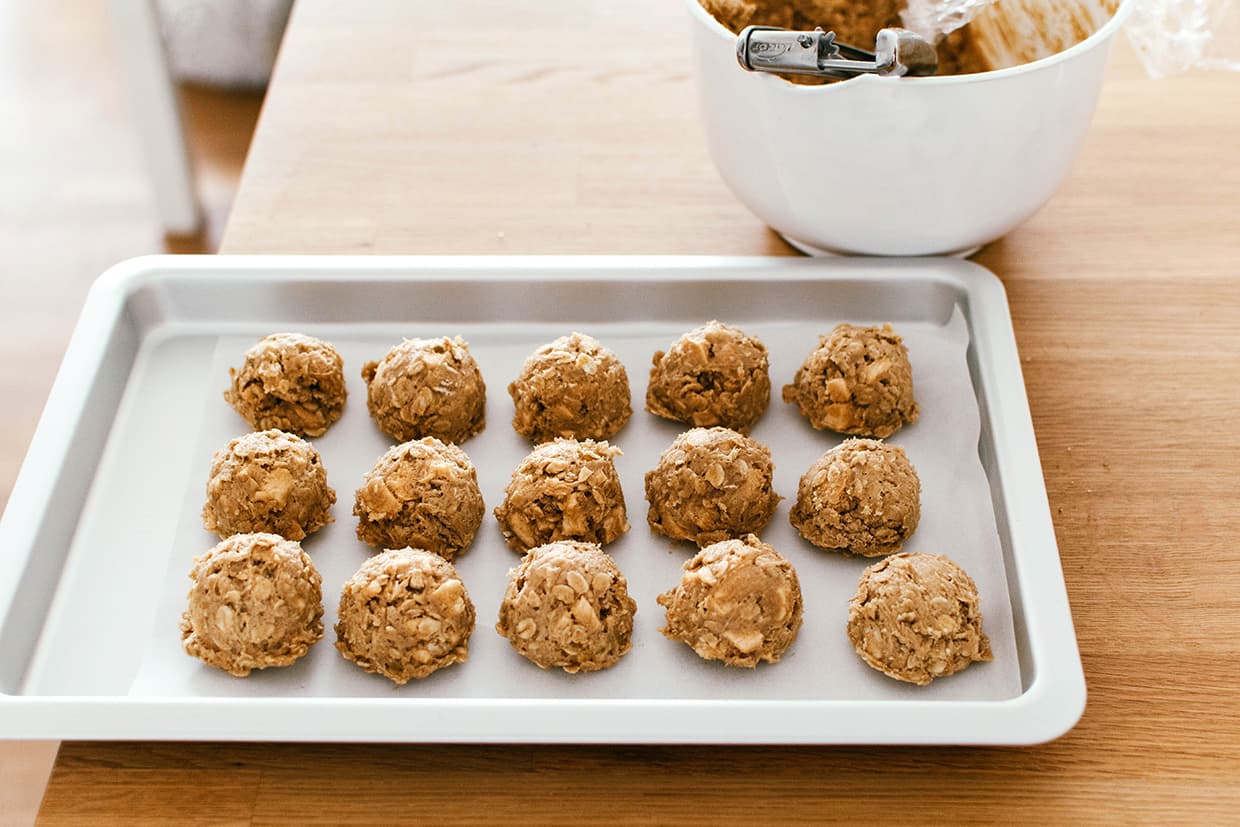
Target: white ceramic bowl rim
x,y
1103,34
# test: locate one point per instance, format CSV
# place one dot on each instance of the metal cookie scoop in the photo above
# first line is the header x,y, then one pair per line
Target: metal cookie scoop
x,y
897,52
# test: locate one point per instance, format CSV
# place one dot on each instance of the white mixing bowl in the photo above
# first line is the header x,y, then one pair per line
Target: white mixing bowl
x,y
897,166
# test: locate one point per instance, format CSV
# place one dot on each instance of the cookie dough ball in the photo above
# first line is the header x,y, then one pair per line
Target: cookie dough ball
x,y
915,617
861,497
404,615
422,494
739,601
568,606
712,375
733,14
712,484
573,387
427,387
857,381
291,382
257,601
271,482
564,490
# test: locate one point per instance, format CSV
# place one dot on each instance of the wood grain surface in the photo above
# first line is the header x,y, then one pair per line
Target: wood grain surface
x,y
554,133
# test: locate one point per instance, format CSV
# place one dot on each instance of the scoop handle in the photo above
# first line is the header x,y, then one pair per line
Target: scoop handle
x,y
897,52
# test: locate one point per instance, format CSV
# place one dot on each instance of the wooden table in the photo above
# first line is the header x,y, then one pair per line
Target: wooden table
x,y
393,127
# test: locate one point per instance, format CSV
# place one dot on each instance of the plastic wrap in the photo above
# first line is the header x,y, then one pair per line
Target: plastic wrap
x,y
1170,36
1173,36
933,19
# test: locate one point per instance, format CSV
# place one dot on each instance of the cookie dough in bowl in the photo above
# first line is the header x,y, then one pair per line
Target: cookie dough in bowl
x,y
915,617
291,382
567,606
427,387
857,381
573,387
712,484
256,602
861,497
738,601
713,375
404,615
423,494
564,490
268,481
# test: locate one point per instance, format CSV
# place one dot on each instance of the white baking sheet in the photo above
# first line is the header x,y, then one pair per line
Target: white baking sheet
x,y
957,520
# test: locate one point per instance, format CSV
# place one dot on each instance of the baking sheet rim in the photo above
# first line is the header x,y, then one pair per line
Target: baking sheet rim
x,y
1050,705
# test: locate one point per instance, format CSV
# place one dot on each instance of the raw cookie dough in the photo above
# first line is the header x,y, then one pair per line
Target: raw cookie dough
x,y
739,601
422,494
712,375
712,484
915,617
404,615
564,490
573,387
861,497
291,382
268,481
568,605
857,381
735,14
257,601
427,387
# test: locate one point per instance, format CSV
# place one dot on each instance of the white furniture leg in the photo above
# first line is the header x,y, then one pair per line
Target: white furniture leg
x,y
154,102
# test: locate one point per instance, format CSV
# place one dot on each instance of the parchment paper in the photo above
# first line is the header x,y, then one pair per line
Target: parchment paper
x,y
957,520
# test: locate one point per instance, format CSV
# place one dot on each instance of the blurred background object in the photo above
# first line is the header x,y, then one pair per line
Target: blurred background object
x,y
212,43
76,199
223,43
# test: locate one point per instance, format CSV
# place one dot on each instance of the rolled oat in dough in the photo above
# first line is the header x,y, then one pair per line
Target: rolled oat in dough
x,y
291,382
861,497
404,615
915,617
713,375
422,494
256,602
857,381
268,481
564,490
427,387
573,387
712,484
567,605
738,601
